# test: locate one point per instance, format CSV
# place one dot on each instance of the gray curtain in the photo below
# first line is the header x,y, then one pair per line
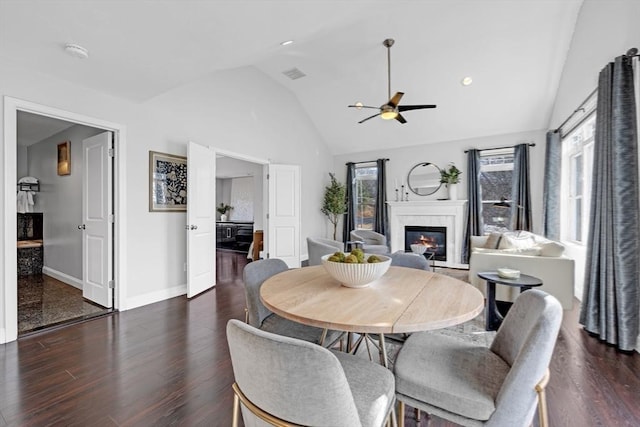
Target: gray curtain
x,y
610,302
521,189
382,222
474,206
350,216
551,186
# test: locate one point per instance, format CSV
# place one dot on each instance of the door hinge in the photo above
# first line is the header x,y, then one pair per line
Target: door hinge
x,y
112,152
112,284
267,216
112,219
268,176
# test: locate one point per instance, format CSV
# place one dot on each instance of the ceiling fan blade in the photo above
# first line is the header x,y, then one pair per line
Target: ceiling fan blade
x,y
400,118
371,117
396,99
414,107
362,106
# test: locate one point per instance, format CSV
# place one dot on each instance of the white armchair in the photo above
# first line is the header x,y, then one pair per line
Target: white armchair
x,y
372,242
556,272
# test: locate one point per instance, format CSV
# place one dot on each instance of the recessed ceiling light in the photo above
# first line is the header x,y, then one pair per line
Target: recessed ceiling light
x,y
466,81
359,105
286,42
76,51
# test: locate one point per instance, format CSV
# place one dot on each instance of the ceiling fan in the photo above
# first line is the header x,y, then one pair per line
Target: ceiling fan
x,y
390,110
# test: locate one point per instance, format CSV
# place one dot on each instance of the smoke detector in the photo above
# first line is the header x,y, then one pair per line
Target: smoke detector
x,y
76,50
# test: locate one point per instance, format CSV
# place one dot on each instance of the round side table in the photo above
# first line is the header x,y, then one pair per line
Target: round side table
x,y
493,318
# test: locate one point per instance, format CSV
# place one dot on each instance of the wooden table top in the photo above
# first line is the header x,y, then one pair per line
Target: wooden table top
x,y
403,300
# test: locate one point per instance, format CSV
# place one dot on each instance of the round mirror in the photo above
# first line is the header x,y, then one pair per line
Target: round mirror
x,y
424,179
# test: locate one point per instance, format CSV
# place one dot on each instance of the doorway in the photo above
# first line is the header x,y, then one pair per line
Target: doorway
x,y
12,109
51,224
240,187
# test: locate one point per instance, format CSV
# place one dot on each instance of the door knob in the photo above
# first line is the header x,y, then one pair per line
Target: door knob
x,y
81,227
194,227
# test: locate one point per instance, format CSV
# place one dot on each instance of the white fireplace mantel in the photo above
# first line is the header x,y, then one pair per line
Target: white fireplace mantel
x,y
430,213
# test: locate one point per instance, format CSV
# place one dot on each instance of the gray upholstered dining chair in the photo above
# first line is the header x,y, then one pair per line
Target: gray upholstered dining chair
x,y
410,260
285,381
475,385
259,316
318,247
372,242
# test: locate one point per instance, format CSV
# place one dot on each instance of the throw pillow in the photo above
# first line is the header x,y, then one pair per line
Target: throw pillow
x,y
551,249
517,239
493,241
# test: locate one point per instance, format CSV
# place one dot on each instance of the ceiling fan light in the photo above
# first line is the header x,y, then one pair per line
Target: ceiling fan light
x,y
389,115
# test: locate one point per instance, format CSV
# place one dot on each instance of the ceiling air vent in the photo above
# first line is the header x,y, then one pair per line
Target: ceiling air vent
x,y
294,73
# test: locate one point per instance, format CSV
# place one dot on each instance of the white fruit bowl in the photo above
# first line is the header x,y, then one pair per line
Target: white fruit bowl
x,y
419,249
356,275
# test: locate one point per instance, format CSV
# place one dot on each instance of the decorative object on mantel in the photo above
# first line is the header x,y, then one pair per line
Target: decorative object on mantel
x,y
334,205
451,177
424,179
222,210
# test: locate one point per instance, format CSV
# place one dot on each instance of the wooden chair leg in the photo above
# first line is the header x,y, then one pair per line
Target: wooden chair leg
x,y
400,413
543,416
236,410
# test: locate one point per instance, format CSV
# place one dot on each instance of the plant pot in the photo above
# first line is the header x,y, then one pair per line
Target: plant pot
x,y
453,191
223,217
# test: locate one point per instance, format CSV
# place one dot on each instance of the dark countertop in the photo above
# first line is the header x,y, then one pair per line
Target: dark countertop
x,y
235,222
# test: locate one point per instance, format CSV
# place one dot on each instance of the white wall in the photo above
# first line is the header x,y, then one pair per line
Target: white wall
x,y
401,160
60,199
258,118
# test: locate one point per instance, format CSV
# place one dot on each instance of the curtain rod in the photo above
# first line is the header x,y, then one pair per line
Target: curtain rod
x,y
580,108
531,144
631,53
368,161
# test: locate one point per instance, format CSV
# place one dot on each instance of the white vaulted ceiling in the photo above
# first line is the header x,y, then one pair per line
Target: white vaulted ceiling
x,y
513,49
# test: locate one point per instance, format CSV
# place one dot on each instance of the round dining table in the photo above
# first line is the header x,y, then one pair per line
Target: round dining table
x,y
403,300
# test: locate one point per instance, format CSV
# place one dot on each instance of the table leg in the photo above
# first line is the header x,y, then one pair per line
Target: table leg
x,y
383,352
493,318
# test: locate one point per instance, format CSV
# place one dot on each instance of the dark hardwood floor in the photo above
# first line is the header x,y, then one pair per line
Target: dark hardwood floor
x,y
168,364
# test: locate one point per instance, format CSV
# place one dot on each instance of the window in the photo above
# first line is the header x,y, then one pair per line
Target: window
x,y
366,193
496,177
577,155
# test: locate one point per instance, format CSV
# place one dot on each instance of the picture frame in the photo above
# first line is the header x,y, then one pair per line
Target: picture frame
x,y
167,182
64,158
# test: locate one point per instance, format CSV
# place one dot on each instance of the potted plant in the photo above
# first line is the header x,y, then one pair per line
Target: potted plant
x,y
450,176
334,203
222,210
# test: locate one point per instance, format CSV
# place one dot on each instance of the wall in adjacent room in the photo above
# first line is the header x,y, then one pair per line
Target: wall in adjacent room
x,y
60,199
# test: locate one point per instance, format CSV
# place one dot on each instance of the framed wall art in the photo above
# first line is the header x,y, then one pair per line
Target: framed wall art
x,y
167,182
64,158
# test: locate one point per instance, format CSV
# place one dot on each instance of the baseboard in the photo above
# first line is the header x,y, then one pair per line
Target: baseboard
x,y
65,278
638,344
152,297
3,336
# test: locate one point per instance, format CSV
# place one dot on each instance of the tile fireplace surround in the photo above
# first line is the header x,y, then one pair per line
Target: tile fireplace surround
x,y
430,213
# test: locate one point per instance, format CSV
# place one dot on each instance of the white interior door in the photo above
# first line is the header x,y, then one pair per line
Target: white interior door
x,y
97,217
284,214
201,219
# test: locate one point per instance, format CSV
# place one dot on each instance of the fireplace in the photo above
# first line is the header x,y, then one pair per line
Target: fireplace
x,y
434,238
